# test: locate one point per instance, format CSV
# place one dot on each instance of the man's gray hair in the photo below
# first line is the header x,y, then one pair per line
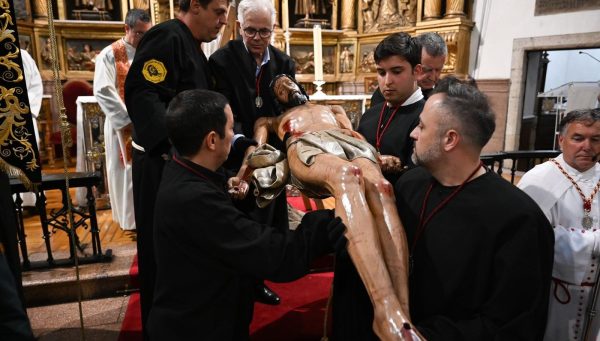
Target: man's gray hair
x,y
246,7
585,116
136,14
433,43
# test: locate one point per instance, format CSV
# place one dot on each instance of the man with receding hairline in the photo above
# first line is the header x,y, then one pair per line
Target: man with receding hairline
x,y
168,60
480,249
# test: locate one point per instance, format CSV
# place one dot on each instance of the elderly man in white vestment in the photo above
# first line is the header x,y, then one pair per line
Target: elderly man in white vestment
x,y
566,189
112,65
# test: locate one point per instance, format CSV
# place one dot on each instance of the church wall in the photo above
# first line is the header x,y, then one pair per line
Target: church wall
x,y
497,92
504,31
499,23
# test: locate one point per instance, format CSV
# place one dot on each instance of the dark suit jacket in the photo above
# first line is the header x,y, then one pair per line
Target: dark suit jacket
x,y
234,74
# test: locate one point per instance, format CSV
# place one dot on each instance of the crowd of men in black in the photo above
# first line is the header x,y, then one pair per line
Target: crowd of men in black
x,y
203,256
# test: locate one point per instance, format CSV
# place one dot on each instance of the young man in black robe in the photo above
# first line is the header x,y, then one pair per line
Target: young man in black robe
x,y
386,126
243,70
209,253
481,250
168,60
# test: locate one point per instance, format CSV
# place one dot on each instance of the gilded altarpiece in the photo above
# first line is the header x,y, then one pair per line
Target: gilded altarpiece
x,y
351,30
357,26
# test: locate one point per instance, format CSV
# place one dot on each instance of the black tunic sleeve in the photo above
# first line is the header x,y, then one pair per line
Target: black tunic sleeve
x,y
212,224
167,61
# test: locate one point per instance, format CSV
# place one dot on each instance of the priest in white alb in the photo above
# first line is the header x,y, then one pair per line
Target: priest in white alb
x,y
566,189
112,65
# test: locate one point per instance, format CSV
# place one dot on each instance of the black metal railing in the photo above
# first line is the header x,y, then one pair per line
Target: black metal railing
x,y
522,160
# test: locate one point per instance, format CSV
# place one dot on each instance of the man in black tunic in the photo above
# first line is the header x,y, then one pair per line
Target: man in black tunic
x,y
168,60
481,249
243,70
386,126
433,57
208,252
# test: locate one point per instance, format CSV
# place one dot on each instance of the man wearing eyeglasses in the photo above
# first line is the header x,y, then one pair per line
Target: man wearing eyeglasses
x,y
109,88
242,71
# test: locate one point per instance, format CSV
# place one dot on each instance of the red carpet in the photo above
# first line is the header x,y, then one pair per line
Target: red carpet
x,y
131,329
300,314
298,317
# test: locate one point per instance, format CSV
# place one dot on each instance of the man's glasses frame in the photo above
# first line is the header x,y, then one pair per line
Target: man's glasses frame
x,y
251,32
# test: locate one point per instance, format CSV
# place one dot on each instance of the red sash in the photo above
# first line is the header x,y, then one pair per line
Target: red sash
x,y
121,68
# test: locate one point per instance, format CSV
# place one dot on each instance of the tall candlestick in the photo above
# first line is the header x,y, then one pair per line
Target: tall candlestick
x,y
318,53
285,16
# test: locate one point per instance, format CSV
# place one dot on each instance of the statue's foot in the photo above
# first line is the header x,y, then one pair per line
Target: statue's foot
x,y
391,325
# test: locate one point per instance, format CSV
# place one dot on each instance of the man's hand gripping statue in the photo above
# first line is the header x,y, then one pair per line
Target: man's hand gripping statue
x,y
326,157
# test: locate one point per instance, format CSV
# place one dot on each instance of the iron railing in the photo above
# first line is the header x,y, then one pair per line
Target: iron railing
x,y
522,160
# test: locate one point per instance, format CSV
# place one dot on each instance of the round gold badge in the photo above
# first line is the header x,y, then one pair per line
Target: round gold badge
x,y
154,71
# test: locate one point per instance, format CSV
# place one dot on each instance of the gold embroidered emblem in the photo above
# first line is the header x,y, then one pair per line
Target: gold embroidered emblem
x,y
154,71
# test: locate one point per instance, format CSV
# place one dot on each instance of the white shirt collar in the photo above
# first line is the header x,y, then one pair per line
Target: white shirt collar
x,y
415,97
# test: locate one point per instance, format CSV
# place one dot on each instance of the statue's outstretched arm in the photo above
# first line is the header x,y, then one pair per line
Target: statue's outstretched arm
x,y
262,127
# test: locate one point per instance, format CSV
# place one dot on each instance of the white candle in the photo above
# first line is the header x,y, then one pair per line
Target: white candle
x,y
171,9
285,20
318,53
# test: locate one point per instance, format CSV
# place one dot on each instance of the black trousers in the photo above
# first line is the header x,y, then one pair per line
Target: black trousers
x,y
146,171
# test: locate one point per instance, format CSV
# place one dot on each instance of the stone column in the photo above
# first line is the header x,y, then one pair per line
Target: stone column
x,y
455,8
348,15
432,10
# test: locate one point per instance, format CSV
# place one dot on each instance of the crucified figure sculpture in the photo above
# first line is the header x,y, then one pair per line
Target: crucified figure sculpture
x,y
326,156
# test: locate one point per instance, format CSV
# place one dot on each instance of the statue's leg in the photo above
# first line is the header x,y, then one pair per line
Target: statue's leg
x,y
380,197
346,183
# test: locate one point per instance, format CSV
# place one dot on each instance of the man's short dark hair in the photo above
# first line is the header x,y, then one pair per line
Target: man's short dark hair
x,y
433,43
191,115
184,5
584,116
399,44
468,107
136,14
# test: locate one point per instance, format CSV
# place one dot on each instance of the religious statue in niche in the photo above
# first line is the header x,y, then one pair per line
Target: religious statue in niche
x,y
367,62
381,15
103,10
46,54
308,13
367,10
346,59
96,5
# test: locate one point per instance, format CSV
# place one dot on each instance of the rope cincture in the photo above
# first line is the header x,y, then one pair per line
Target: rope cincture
x,y
67,142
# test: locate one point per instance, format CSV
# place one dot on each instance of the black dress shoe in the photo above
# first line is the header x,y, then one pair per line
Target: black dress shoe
x,y
265,295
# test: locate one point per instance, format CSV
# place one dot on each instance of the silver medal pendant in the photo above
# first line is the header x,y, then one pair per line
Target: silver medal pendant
x,y
258,101
587,222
